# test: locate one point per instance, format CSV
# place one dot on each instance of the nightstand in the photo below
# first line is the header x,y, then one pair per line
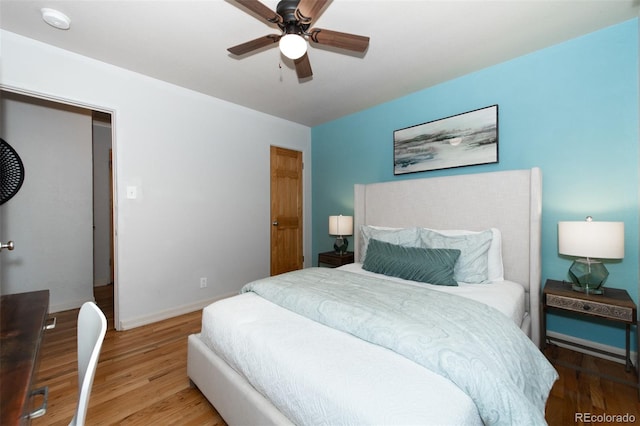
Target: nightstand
x,y
613,305
333,259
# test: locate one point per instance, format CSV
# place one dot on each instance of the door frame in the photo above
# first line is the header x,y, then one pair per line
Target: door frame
x,y
114,207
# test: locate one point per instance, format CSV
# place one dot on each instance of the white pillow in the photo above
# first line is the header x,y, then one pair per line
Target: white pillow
x,y
406,237
495,267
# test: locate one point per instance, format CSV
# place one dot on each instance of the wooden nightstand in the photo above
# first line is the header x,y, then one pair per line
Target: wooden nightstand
x,y
614,305
333,259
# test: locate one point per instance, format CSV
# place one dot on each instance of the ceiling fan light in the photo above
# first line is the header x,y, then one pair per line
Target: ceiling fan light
x,y
293,46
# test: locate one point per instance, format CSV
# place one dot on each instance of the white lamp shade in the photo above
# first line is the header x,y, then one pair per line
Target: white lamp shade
x,y
601,240
293,46
341,225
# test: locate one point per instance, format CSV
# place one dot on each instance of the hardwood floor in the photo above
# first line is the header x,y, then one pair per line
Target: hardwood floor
x,y
142,378
577,395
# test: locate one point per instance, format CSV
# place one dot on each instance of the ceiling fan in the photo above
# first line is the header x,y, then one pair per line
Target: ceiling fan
x,y
294,18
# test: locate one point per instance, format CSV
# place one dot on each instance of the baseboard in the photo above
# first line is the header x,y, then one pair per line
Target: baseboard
x,y
169,313
595,345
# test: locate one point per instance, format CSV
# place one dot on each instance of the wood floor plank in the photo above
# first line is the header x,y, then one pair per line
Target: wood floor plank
x,y
583,393
186,405
141,377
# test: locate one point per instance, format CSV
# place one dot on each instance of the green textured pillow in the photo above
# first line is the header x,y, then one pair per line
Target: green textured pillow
x,y
433,266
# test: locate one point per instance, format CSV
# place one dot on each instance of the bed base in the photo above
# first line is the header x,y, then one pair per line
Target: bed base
x,y
233,397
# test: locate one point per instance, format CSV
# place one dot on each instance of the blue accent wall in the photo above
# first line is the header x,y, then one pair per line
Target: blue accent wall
x,y
570,109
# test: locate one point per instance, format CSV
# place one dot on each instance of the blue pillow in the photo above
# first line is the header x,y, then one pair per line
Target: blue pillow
x,y
407,237
433,266
473,264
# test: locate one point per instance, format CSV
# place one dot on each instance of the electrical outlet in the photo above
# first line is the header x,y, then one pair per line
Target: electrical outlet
x,y
203,282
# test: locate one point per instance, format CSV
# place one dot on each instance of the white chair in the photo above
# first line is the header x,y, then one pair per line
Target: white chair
x,y
92,326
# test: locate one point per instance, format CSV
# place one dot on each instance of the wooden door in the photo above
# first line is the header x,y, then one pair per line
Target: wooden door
x,y
286,210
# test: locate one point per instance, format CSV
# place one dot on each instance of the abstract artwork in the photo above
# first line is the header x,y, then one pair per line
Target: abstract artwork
x,y
466,139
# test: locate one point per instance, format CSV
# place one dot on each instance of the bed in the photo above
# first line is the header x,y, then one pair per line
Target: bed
x,y
288,351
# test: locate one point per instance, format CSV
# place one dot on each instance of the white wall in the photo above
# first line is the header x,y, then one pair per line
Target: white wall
x,y
50,218
201,169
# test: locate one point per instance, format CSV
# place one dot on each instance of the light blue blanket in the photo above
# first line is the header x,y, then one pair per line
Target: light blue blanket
x,y
473,345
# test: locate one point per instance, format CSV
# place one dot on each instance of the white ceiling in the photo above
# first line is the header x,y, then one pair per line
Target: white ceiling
x,y
414,45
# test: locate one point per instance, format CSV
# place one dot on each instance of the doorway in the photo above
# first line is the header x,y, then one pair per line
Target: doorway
x,y
51,219
102,199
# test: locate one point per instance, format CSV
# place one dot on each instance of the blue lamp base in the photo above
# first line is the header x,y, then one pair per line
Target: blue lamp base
x,y
588,276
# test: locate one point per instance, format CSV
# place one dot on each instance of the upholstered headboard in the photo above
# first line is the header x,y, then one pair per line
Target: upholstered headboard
x,y
510,201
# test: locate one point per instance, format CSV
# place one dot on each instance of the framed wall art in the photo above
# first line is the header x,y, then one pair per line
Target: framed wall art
x,y
466,139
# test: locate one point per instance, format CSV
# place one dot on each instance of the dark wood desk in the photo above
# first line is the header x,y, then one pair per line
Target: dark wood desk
x,y
22,322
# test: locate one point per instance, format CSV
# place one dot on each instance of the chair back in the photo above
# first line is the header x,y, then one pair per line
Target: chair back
x,y
92,326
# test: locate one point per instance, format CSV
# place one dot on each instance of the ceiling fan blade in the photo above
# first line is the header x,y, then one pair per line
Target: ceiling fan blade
x,y
310,10
303,66
252,45
257,7
341,40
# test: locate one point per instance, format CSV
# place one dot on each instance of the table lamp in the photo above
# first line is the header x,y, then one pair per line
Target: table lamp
x,y
340,226
589,240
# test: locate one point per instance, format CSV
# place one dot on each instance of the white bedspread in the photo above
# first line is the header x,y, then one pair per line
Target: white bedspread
x,y
475,346
318,375
505,296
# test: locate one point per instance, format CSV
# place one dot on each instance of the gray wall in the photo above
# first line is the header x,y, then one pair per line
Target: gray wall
x,y
101,204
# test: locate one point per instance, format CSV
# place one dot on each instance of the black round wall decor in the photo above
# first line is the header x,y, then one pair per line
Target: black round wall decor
x,y
11,172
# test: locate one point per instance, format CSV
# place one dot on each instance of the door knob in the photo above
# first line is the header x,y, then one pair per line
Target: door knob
x,y
275,223
8,246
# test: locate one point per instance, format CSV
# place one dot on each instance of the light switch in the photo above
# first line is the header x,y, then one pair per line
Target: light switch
x,y
132,192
